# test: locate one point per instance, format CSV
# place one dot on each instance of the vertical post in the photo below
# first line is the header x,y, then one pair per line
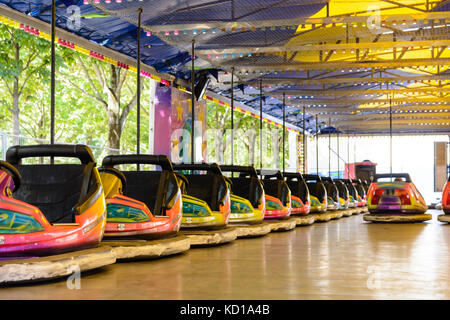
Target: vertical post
x,y
52,78
232,117
138,84
390,135
329,147
304,140
348,156
317,144
284,130
337,136
193,102
260,125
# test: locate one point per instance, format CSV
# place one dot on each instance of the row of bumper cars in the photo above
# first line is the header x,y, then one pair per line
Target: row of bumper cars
x,y
396,200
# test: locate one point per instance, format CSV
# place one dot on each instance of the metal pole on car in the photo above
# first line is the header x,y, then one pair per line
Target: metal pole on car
x,y
284,130
260,126
329,147
317,144
337,138
138,89
52,78
232,117
304,140
193,102
390,134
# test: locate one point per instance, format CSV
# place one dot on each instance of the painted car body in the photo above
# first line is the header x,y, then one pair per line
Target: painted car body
x,y
131,218
277,195
398,196
275,208
446,197
25,229
300,196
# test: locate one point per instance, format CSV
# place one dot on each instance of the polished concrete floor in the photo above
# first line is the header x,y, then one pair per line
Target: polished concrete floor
x,y
340,259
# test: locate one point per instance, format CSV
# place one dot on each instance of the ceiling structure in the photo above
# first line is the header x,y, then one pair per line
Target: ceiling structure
x,y
348,62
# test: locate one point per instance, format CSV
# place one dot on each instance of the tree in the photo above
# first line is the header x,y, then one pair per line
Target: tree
x,y
23,57
108,85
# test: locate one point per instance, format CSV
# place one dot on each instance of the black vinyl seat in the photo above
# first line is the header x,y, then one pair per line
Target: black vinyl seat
x,y
56,189
343,190
298,186
332,189
316,186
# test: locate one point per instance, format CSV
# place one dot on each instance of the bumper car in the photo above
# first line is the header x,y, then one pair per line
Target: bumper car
x,y
344,195
53,213
247,195
49,209
362,195
352,193
445,203
332,194
300,197
318,193
395,201
278,195
206,197
130,194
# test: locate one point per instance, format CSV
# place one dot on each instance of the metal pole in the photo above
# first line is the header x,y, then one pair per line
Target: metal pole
x,y
317,145
192,102
329,147
337,136
52,78
390,135
138,90
348,156
260,125
232,117
304,139
284,130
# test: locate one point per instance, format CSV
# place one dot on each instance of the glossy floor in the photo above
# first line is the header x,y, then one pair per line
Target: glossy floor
x,y
340,259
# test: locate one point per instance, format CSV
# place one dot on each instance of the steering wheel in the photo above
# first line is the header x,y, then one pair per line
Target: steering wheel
x,y
117,173
13,172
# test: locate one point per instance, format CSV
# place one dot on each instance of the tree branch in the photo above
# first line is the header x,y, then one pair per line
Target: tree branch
x,y
65,79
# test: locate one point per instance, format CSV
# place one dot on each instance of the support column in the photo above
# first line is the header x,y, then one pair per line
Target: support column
x,y
304,139
52,78
232,117
284,131
260,125
138,84
151,117
193,103
317,144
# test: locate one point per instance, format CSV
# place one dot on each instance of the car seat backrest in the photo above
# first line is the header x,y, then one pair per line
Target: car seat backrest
x,y
317,189
148,187
298,189
248,188
207,187
54,189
